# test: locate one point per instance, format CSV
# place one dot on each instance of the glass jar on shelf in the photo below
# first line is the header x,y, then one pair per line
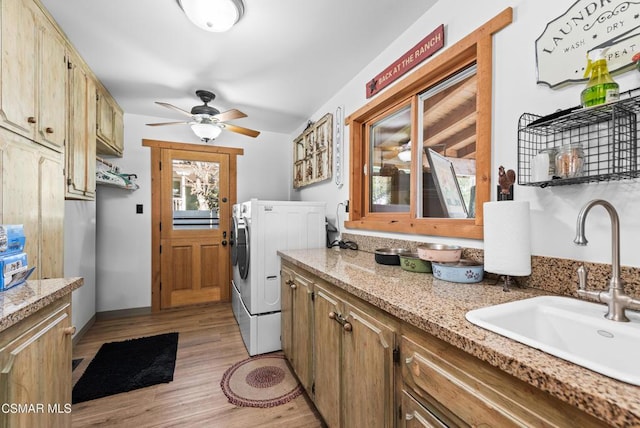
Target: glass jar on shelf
x,y
569,161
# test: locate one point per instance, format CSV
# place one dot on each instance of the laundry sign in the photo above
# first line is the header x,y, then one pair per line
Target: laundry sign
x,y
432,43
561,50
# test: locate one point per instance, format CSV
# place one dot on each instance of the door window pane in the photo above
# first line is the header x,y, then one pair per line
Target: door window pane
x,y
390,163
195,194
448,135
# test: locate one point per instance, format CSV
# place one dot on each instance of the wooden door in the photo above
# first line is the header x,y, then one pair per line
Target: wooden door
x,y
327,354
194,228
367,371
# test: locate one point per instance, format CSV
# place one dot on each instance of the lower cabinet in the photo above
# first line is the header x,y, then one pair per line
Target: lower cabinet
x,y
351,346
456,389
35,369
369,369
296,337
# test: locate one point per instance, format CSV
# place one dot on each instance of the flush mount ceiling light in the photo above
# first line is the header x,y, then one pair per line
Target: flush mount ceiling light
x,y
213,15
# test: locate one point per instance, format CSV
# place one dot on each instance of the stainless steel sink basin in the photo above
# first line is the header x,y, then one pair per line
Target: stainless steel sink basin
x,y
570,329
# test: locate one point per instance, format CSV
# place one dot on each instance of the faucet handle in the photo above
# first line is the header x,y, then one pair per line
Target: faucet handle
x,y
582,277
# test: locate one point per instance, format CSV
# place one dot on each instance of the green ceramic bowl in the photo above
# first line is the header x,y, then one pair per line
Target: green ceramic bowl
x,y
412,263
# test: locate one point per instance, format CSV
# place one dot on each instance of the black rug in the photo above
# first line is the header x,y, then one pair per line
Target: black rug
x,y
75,363
125,366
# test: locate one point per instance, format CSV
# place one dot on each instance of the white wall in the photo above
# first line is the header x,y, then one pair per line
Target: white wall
x,y
123,268
554,209
80,257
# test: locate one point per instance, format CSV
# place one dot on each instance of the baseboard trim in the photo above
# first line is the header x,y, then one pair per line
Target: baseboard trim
x,y
122,313
83,330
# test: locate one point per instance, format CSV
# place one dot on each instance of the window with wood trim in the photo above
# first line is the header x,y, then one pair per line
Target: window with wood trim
x,y
421,150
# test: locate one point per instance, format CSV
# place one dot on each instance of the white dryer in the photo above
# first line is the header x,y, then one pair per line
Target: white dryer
x,y
266,227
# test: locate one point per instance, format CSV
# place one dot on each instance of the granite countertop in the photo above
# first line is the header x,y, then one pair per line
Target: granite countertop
x,y
438,307
25,299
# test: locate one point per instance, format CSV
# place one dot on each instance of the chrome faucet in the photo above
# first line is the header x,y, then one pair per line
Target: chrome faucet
x,y
615,298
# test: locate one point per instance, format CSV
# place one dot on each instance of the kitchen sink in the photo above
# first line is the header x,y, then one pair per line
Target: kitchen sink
x,y
571,329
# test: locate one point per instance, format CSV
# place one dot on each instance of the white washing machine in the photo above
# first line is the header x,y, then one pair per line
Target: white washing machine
x,y
264,228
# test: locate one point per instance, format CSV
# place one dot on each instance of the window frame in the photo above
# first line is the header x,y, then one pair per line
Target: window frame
x,y
477,47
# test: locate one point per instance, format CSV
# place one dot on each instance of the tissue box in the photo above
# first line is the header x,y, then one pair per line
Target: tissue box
x,y
12,239
14,270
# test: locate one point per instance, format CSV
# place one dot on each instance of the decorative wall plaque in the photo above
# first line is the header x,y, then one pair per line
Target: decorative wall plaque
x,y
431,44
561,50
312,159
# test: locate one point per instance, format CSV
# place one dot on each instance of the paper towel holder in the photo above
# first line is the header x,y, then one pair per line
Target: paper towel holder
x,y
507,241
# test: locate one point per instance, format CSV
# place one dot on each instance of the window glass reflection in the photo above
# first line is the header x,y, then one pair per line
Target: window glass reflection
x,y
448,135
390,163
195,194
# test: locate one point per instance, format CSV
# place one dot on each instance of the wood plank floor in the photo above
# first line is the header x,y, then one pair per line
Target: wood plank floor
x,y
209,343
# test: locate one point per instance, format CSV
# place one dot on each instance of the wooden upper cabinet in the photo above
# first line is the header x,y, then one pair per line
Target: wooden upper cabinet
x,y
52,88
81,144
104,130
109,127
18,72
32,75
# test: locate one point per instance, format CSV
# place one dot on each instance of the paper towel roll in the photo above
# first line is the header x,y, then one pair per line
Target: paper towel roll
x,y
507,238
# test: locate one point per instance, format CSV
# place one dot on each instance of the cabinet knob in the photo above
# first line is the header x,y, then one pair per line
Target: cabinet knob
x,y
31,119
293,285
70,331
289,282
332,315
48,130
347,326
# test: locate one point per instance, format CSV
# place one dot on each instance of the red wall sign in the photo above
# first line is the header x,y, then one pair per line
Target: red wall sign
x,y
423,50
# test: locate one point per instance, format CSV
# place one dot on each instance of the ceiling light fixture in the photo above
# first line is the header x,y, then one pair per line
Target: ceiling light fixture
x,y
213,15
206,130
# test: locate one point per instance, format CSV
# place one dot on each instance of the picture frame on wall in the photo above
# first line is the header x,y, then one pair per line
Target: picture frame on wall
x,y
312,153
447,186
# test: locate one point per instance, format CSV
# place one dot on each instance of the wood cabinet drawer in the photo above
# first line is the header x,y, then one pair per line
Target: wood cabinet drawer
x,y
477,393
414,415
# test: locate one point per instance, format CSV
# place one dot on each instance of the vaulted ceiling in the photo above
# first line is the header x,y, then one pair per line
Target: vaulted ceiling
x,y
279,64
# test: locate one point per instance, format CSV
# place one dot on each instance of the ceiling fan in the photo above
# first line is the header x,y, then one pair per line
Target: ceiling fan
x,y
207,122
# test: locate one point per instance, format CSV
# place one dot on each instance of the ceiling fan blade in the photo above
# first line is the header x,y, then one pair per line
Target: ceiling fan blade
x,y
172,107
167,123
229,115
240,130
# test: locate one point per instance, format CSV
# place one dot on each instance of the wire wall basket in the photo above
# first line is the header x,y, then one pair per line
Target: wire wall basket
x,y
604,138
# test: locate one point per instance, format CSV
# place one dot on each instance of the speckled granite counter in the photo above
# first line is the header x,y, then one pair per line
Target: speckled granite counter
x,y
23,300
438,307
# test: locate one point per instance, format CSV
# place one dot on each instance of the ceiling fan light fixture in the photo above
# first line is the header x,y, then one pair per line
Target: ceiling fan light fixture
x,y
206,131
213,15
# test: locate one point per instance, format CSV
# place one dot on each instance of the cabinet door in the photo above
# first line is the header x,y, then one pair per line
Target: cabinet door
x,y
52,88
286,297
105,118
367,371
118,131
20,190
81,144
326,354
51,207
302,334
35,369
32,195
18,67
